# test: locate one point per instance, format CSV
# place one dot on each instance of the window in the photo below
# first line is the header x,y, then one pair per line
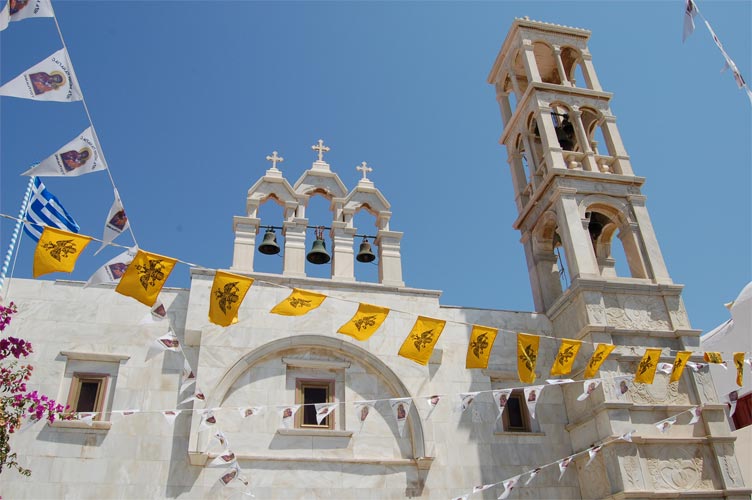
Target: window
x,y
516,417
743,415
308,393
87,393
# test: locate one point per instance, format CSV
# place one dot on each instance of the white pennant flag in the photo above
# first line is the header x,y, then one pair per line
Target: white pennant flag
x,y
501,396
228,457
563,465
696,367
230,475
251,411
509,485
196,396
733,397
621,384
748,361
49,80
207,419
189,377
463,497
665,425
323,410
400,409
666,368
362,410
80,156
432,402
558,381
114,269
690,11
532,395
627,436
533,473
116,223
466,399
16,10
478,489
592,452
128,413
696,414
221,438
588,387
167,342
287,413
170,415
87,418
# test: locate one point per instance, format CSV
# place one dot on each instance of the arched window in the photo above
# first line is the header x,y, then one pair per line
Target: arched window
x,y
564,127
572,62
604,223
271,212
545,59
364,222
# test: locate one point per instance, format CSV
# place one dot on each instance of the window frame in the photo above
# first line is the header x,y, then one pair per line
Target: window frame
x,y
300,385
527,426
74,393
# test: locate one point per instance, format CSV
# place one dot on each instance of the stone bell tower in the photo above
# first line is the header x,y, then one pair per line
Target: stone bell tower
x,y
577,199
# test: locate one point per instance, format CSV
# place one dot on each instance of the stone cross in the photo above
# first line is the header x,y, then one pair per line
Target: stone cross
x,y
365,169
275,159
321,149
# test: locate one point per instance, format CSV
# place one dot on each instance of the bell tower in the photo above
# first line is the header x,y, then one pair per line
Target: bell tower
x,y
578,200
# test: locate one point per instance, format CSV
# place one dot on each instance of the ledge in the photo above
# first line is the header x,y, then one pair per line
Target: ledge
x,y
422,463
729,492
77,424
94,356
316,363
333,433
520,434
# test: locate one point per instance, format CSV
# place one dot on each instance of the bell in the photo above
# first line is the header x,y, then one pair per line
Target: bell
x,y
318,253
365,254
269,246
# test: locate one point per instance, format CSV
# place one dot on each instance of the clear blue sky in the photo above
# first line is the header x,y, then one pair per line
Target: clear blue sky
x,y
188,98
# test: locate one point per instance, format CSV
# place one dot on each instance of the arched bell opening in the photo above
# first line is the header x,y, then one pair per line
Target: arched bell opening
x,y
319,212
365,250
271,212
551,267
571,60
535,145
603,148
620,256
519,75
545,59
564,127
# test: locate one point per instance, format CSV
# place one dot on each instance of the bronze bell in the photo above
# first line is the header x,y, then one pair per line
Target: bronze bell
x,y
365,254
269,246
318,254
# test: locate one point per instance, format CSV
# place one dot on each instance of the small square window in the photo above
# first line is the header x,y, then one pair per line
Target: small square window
x,y
308,393
516,417
87,393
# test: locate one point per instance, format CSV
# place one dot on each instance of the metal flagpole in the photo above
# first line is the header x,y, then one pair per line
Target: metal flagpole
x,y
16,230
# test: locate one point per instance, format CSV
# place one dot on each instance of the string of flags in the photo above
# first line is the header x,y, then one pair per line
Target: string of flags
x,y
690,12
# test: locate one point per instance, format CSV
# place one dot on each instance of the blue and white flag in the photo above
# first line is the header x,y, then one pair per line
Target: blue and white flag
x,y
44,209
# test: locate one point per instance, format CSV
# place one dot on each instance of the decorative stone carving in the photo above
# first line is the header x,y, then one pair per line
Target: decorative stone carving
x,y
636,312
632,475
660,392
596,314
730,466
677,312
676,468
702,378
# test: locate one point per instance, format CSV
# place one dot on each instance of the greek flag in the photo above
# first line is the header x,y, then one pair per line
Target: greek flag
x,y
44,209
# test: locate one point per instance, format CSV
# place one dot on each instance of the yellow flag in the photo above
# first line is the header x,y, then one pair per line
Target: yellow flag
x,y
145,277
739,364
679,363
565,357
419,344
713,357
527,355
57,250
227,293
298,303
648,364
597,359
479,349
366,321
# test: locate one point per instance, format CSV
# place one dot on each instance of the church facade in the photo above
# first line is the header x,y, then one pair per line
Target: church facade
x,y
577,196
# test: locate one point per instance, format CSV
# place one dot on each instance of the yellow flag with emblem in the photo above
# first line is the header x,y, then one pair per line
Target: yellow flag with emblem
x,y
527,356
227,293
419,344
739,364
713,357
145,277
298,303
679,363
366,321
565,357
646,368
479,349
597,359
57,251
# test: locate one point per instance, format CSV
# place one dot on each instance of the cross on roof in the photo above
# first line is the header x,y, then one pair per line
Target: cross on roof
x,y
365,169
321,149
275,159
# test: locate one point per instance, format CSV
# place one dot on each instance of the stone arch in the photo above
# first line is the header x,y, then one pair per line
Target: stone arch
x,y
603,216
545,59
571,60
545,239
563,121
336,346
276,189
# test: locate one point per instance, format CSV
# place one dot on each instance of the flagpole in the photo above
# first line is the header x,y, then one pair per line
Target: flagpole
x,y
16,230
88,115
